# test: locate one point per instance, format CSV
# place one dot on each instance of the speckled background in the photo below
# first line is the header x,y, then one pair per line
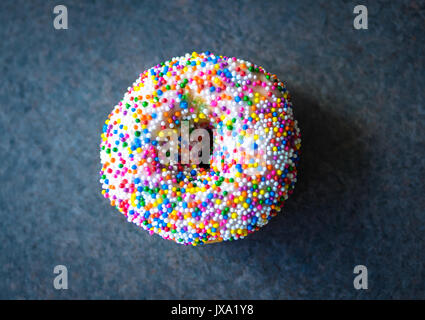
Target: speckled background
x,y
358,95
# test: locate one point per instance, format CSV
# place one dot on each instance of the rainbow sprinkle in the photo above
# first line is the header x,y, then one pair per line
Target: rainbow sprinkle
x,y
253,163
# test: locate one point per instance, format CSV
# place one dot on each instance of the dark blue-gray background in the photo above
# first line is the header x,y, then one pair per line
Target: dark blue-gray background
x,y
358,95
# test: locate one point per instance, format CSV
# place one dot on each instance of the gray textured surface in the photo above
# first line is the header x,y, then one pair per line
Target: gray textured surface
x,y
359,99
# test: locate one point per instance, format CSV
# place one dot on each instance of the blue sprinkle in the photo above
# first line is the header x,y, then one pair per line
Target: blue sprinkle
x,y
183,104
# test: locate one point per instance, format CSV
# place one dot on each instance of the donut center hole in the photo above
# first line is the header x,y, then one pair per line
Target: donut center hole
x,y
201,144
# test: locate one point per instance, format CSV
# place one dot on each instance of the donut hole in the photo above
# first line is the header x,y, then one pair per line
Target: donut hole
x,y
200,160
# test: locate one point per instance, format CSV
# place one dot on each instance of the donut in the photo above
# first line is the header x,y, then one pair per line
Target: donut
x,y
151,166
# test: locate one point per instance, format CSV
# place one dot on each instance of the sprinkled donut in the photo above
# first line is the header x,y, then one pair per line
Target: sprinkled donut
x,y
158,182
